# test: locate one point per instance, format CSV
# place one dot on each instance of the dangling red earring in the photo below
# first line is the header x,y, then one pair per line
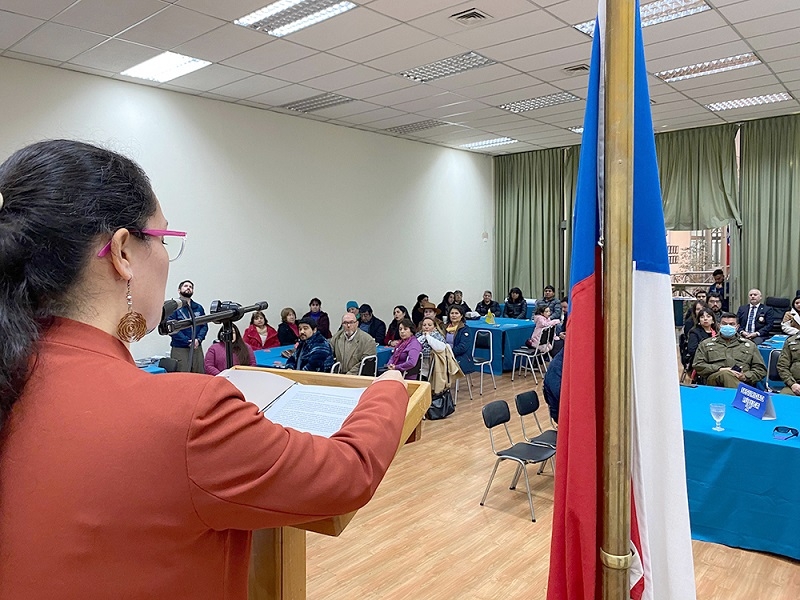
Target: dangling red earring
x,y
132,326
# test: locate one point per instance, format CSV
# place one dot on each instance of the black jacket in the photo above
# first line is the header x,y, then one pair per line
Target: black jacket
x,y
482,308
377,329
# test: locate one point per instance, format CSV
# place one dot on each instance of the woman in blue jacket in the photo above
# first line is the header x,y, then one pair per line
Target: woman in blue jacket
x,y
459,337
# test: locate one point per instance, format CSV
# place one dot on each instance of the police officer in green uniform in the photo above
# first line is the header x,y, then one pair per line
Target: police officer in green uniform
x,y
727,360
789,365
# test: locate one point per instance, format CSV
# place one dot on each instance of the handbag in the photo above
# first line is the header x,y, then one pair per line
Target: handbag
x,y
442,406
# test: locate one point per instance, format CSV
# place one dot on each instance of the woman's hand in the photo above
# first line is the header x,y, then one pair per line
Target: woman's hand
x,y
393,343
392,367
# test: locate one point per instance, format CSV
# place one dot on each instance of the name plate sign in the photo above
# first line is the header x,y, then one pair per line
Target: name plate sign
x,y
754,402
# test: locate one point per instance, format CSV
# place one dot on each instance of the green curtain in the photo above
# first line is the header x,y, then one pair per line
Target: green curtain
x,y
529,192
571,156
770,181
698,177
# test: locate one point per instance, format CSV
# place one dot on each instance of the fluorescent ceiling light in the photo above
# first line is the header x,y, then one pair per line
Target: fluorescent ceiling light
x,y
287,16
744,102
165,67
414,127
540,102
489,143
657,12
577,130
319,102
447,67
709,68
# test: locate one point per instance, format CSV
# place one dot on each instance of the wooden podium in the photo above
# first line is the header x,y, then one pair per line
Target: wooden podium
x,y
278,556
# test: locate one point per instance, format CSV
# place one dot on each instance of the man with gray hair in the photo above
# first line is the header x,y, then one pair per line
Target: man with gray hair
x,y
755,319
351,344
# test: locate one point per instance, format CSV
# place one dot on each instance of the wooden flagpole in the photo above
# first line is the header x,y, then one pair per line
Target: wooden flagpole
x,y
617,270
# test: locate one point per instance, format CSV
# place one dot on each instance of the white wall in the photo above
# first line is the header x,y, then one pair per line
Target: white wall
x,y
278,208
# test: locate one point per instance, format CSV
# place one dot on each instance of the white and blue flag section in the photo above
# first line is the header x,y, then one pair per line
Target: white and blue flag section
x,y
661,540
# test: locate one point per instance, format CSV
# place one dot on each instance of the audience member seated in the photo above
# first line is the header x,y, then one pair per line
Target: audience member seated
x,y
392,337
706,328
350,344
516,306
487,304
458,300
447,301
789,365
791,320
371,324
352,307
313,352
550,301
287,330
561,330
320,318
429,311
541,316
406,354
416,310
690,316
430,338
260,335
459,337
727,360
701,295
715,304
551,387
216,361
755,319
721,288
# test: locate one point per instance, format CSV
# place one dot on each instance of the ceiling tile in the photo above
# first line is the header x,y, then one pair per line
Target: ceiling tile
x,y
782,53
171,27
543,89
284,95
347,27
371,116
440,24
670,30
250,86
431,101
467,79
58,42
745,11
410,9
346,78
773,40
453,111
419,90
108,17
41,9
515,82
268,56
693,56
210,77
347,109
705,43
89,70
402,119
312,66
390,83
223,42
14,27
417,56
770,24
574,11
229,10
31,58
382,43
543,42
523,26
736,76
115,56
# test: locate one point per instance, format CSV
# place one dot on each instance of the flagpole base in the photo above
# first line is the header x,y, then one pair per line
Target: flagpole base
x,y
615,561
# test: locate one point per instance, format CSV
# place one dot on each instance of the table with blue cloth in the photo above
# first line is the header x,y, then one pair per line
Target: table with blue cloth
x,y
153,368
743,485
272,356
507,336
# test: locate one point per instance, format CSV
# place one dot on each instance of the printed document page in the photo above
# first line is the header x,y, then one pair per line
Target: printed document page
x,y
316,409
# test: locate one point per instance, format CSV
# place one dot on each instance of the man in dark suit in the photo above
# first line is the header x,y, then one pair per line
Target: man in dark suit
x,y
755,319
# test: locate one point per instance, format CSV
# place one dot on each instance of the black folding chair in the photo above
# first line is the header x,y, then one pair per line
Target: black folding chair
x,y
170,365
497,413
415,370
369,366
774,381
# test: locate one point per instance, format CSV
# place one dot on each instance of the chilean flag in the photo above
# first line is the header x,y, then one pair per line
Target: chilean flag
x,y
661,542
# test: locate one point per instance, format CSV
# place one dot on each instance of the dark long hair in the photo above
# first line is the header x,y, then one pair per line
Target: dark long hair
x,y
519,291
392,329
238,346
60,197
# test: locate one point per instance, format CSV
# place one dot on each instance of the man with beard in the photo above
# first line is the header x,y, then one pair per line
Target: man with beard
x,y
182,345
313,352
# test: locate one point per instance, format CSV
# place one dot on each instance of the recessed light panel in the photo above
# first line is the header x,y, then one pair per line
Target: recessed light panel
x,y
541,102
489,143
287,16
577,130
745,102
414,127
165,67
657,12
447,67
319,102
710,67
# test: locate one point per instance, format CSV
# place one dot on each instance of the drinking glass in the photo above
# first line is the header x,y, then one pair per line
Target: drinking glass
x,y
718,413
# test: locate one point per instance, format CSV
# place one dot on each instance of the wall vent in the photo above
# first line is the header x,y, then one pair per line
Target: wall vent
x,y
470,17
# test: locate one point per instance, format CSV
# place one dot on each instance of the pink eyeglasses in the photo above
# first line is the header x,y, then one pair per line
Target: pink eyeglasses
x,y
173,241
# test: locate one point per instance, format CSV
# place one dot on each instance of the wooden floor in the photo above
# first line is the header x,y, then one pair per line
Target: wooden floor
x,y
425,536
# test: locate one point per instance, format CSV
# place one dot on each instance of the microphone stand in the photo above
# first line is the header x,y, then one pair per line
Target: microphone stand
x,y
226,318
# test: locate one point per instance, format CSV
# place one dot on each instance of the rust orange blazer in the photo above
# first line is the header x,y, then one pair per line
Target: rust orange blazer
x,y
115,483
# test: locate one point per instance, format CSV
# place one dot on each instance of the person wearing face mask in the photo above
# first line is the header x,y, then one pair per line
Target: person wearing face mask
x,y
727,360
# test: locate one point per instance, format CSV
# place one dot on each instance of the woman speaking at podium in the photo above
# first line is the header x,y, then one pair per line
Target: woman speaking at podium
x,y
115,483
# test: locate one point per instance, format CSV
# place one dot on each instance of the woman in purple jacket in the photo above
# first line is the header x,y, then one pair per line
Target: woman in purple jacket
x,y
407,352
215,360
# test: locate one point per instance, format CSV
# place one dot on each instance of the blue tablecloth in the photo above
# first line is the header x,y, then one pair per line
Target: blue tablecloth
x,y
273,358
507,336
154,368
743,485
